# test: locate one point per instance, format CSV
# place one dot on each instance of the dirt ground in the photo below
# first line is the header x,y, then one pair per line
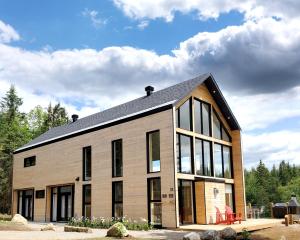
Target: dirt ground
x,y
279,232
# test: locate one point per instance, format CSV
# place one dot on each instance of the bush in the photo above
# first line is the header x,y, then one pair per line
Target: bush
x,y
5,217
107,223
245,234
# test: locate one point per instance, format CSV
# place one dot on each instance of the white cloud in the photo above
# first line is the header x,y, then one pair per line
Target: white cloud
x,y
143,24
8,33
207,9
95,19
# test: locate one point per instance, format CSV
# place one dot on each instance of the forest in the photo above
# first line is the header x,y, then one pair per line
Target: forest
x,y
263,185
18,128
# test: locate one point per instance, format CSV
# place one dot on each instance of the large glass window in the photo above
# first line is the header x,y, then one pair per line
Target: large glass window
x,y
202,117
218,163
87,163
154,201
117,196
183,114
203,157
229,197
153,146
219,131
117,158
184,153
86,211
227,162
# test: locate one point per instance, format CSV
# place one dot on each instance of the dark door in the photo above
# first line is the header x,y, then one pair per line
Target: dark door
x,y
25,204
62,203
185,191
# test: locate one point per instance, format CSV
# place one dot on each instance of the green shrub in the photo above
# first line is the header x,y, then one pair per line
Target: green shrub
x,y
107,223
5,217
245,234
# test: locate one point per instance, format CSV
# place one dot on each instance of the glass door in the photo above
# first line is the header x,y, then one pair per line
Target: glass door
x,y
25,203
185,192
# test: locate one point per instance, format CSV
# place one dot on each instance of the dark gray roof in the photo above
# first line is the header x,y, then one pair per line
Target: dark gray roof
x,y
158,99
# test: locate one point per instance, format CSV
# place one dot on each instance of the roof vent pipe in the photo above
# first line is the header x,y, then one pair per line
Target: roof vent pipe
x,y
149,90
74,117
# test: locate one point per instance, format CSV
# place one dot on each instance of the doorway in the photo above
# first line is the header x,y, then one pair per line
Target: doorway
x,y
186,201
62,203
26,203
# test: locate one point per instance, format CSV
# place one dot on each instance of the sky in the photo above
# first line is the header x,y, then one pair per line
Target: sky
x,y
90,55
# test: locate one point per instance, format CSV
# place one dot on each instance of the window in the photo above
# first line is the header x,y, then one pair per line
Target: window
x,y
29,161
154,201
183,114
117,197
229,196
117,158
186,205
86,201
203,157
87,162
202,117
222,161
219,130
40,194
184,153
153,151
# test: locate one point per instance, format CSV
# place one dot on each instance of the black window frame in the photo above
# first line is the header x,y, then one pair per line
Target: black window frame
x,y
113,156
113,198
40,194
190,115
211,157
192,153
84,178
221,127
84,202
222,155
29,161
149,200
148,152
201,116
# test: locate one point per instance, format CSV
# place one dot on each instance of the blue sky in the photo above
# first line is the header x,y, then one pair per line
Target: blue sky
x,y
90,55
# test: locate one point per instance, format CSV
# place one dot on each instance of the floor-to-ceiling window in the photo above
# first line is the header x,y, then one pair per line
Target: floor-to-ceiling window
x,y
185,194
26,203
154,201
184,153
86,200
117,197
153,151
117,158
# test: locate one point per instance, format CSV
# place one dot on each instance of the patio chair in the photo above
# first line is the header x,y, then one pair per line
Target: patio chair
x,y
231,216
219,217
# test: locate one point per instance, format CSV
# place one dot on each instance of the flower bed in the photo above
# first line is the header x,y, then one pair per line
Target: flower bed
x,y
107,223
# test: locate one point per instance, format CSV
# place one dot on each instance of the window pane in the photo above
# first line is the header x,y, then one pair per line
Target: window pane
x,y
185,154
155,189
198,157
197,116
178,152
87,155
117,158
227,162
155,209
218,160
216,127
154,151
87,194
87,210
207,158
225,136
185,121
206,118
229,196
118,191
118,210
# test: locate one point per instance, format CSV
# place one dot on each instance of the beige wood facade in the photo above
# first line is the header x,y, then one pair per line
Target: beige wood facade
x,y
60,163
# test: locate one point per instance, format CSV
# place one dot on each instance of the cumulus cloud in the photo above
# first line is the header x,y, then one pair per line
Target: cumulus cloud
x,y
8,33
166,9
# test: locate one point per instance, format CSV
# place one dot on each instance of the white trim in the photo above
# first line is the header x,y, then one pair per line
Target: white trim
x,y
98,125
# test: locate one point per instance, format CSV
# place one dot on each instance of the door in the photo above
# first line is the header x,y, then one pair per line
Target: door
x,y
185,192
25,203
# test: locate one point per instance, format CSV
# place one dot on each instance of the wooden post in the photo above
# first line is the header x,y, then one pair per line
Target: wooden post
x,y
271,206
286,220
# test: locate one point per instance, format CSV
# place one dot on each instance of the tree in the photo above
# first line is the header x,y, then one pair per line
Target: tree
x,y
56,116
37,121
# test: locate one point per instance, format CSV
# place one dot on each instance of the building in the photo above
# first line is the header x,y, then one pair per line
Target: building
x,y
170,156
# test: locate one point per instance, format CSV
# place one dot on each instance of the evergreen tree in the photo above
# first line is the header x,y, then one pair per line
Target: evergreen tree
x,y
56,116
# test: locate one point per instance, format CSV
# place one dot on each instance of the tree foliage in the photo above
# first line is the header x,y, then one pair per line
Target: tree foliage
x,y
16,129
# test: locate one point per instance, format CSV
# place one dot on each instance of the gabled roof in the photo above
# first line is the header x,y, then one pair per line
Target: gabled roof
x,y
157,101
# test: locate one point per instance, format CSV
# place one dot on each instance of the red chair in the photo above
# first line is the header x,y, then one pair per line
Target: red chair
x,y
232,217
219,217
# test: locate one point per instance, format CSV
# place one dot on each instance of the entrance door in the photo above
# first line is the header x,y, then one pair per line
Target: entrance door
x,y
185,191
62,203
25,203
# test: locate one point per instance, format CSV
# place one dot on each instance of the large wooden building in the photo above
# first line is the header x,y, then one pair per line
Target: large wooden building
x,y
170,156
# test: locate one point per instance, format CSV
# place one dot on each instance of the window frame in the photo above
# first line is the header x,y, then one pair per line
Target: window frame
x,y
149,201
113,198
31,160
84,178
113,156
191,150
40,194
84,203
190,115
202,157
222,156
148,152
221,128
201,116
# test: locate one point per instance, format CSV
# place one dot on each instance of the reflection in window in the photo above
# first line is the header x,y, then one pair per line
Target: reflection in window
x,y
219,130
154,189
153,145
202,117
117,158
117,191
227,162
86,201
203,157
184,156
218,160
183,114
229,196
87,163
222,161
